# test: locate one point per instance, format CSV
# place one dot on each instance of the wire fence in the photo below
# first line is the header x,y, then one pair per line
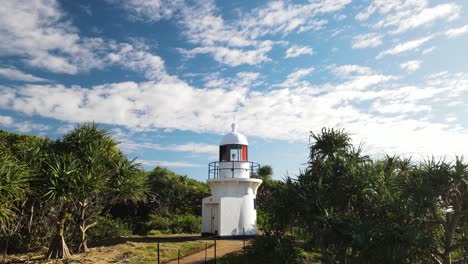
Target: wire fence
x,y
209,253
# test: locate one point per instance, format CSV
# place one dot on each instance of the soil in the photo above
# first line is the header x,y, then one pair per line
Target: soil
x,y
137,249
223,248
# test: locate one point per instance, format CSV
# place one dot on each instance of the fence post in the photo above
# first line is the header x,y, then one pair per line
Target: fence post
x,y
158,252
215,251
178,256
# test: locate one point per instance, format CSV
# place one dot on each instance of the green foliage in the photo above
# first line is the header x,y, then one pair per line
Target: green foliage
x,y
157,222
350,208
14,178
177,194
276,248
265,172
109,228
186,223
176,224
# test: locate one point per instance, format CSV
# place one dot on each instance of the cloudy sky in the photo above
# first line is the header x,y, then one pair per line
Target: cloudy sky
x,y
166,76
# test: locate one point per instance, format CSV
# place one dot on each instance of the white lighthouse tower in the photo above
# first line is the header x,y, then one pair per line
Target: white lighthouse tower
x,y
231,210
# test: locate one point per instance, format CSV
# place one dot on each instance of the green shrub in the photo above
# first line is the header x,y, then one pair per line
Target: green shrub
x,y
276,248
175,224
187,223
16,243
108,228
262,219
158,222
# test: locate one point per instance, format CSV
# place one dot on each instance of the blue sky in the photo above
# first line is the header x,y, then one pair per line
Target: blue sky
x,y
165,77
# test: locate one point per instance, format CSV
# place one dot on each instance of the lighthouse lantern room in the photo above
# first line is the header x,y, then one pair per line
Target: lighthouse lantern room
x,y
230,211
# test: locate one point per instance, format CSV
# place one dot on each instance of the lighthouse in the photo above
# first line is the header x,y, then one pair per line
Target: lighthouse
x,y
231,210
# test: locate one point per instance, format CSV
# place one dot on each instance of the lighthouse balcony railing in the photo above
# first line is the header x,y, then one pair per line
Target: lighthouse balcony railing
x,y
214,169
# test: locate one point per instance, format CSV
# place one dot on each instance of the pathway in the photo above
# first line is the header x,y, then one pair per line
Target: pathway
x,y
223,248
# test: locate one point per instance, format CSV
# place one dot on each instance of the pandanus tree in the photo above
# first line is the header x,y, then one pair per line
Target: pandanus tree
x,y
62,174
14,180
326,190
105,176
352,207
127,183
14,185
95,151
445,186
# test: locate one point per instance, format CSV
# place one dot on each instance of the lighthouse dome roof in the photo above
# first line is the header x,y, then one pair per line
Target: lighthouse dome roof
x,y
234,137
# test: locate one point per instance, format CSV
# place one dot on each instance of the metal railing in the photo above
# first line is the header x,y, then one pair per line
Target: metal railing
x,y
214,169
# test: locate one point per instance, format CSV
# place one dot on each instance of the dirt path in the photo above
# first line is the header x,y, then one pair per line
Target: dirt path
x,y
223,248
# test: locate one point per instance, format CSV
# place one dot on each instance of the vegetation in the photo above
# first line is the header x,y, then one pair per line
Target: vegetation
x,y
347,208
344,207
63,192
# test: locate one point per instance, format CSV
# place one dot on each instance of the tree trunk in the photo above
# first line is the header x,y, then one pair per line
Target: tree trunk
x,y
6,249
58,248
83,246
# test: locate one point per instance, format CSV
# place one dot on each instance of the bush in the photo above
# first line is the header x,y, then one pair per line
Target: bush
x,y
16,243
187,223
109,228
276,248
175,224
262,219
157,222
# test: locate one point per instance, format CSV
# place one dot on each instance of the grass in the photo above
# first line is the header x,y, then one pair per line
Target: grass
x,y
134,249
143,253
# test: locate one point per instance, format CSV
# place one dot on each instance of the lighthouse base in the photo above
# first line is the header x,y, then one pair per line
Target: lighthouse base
x,y
229,216
231,210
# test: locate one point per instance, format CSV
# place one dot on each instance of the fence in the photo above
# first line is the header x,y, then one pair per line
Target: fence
x,y
205,255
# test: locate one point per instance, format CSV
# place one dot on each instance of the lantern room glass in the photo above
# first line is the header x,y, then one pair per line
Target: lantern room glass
x,y
233,152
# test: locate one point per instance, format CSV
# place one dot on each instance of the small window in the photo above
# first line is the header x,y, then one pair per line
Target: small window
x,y
234,154
255,203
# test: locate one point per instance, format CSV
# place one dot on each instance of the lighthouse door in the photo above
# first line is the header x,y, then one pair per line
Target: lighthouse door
x,y
214,219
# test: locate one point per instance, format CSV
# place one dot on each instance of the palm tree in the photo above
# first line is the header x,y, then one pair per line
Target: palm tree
x,y
14,178
445,185
94,150
128,183
14,185
62,172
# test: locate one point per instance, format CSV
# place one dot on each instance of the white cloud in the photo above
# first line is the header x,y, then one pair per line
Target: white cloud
x,y
294,79
234,57
287,112
21,126
397,107
137,58
384,7
242,79
169,164
243,40
348,70
296,51
153,10
38,32
411,66
12,73
428,16
405,15
406,46
428,50
6,120
196,148
284,17
370,40
457,32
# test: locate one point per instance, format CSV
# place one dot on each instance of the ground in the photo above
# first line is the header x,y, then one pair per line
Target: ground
x,y
143,249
